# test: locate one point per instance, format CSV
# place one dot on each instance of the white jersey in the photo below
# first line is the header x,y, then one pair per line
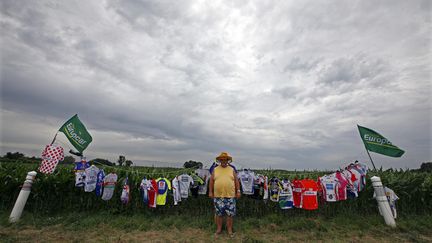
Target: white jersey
x,y
286,200
266,192
246,178
391,198
91,178
329,184
176,190
185,182
109,185
144,187
80,178
205,176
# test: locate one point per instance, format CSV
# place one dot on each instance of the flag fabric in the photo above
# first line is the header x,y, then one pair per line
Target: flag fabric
x,y
77,134
375,142
51,155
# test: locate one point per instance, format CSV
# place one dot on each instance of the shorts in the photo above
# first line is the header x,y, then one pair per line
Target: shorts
x,y
225,206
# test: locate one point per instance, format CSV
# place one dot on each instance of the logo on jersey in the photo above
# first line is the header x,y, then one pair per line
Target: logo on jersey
x,y
329,186
162,187
312,193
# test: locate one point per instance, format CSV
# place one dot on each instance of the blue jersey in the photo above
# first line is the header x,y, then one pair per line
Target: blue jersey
x,y
82,165
99,182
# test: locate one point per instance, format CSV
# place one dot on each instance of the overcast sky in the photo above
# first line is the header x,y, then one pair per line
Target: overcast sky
x,y
278,84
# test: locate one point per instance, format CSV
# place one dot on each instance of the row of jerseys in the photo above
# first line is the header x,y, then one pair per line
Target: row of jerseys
x,y
304,193
153,191
343,184
93,179
298,193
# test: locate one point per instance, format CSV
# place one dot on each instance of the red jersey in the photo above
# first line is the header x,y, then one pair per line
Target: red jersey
x,y
342,186
297,192
309,200
152,193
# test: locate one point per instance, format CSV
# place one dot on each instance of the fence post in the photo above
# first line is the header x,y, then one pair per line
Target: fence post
x,y
383,203
22,197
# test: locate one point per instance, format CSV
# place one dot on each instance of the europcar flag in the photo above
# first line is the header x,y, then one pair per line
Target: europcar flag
x,y
375,142
77,134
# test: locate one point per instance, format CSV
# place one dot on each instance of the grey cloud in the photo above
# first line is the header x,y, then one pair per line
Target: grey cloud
x,y
280,85
355,69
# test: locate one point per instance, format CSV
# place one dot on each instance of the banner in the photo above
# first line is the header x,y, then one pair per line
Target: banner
x,y
375,142
77,134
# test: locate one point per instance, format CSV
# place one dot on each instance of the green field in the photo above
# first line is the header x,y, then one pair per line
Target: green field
x,y
57,211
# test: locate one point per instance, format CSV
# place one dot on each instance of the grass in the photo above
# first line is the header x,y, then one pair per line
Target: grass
x,y
104,226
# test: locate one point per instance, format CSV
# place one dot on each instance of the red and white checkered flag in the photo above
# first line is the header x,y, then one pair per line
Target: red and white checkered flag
x,y
50,158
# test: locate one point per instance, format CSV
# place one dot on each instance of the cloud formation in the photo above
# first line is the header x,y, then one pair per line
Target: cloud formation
x,y
278,85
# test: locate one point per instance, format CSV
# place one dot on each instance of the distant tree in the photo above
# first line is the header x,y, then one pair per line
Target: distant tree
x,y
426,167
68,160
16,155
192,164
121,160
101,161
128,163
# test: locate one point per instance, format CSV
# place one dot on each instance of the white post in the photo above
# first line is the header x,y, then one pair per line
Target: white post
x,y
22,197
383,203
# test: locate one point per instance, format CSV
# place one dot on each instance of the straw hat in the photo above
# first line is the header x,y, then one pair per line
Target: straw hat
x,y
224,155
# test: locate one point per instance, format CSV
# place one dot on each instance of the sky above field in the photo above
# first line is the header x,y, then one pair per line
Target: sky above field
x,y
280,84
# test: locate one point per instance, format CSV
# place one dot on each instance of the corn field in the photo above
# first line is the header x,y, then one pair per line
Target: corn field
x,y
57,193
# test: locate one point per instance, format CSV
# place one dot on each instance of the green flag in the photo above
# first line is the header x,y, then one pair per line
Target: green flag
x,y
77,134
375,142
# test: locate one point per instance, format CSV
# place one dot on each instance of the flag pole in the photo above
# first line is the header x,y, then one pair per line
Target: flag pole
x,y
370,158
54,138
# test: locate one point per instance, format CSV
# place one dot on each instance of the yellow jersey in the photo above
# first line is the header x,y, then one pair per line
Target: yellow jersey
x,y
224,185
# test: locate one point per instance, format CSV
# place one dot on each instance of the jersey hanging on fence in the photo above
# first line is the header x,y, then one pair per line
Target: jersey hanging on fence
x,y
297,193
309,200
125,196
80,172
274,188
144,187
391,198
286,195
185,182
176,190
91,174
152,193
329,188
205,176
99,182
51,155
110,182
342,185
246,178
163,185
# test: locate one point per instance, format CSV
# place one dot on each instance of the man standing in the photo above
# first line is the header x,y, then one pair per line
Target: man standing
x,y
224,189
